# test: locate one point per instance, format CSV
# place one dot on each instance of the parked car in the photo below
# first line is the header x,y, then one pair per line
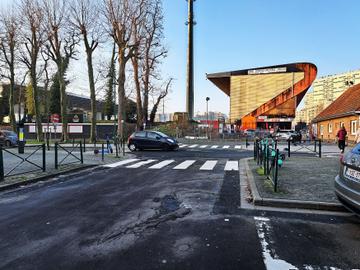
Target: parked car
x,y
292,135
347,183
8,138
141,140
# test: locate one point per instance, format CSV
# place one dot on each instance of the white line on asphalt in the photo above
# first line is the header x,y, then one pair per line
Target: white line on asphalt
x,y
208,165
204,146
214,146
117,164
141,163
193,146
162,164
226,146
231,166
237,146
183,145
184,165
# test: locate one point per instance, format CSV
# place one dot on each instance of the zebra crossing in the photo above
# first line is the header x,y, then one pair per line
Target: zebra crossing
x,y
153,164
205,146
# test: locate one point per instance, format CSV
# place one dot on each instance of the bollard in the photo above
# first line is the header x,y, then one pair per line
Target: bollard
x,y
276,170
73,142
254,150
81,153
84,145
288,148
1,164
56,156
102,151
319,148
315,146
246,142
43,157
48,141
116,149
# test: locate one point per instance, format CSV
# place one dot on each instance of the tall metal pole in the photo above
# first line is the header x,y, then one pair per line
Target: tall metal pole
x,y
190,62
207,117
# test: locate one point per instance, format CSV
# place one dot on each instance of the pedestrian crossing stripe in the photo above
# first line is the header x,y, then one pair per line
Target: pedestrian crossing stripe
x,y
192,146
226,146
203,146
209,165
141,163
237,146
214,146
162,164
184,165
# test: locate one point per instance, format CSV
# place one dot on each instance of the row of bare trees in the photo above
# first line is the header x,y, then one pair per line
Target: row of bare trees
x,y
36,34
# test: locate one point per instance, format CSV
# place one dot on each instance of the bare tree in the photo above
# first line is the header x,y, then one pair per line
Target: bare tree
x,y
85,17
154,51
9,43
32,17
61,43
161,96
122,15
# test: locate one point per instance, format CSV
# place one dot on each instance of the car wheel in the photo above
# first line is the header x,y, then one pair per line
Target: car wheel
x,y
7,143
132,147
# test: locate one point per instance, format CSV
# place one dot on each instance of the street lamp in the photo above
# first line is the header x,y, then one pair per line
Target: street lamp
x,y
207,116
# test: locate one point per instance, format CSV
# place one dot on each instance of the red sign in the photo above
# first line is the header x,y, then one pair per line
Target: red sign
x,y
55,118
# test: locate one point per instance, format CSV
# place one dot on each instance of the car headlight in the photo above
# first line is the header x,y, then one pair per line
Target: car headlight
x,y
170,140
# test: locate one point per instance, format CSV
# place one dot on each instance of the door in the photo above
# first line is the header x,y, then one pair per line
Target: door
x,y
154,140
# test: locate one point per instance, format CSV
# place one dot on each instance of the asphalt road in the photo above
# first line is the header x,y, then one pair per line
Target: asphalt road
x,y
135,217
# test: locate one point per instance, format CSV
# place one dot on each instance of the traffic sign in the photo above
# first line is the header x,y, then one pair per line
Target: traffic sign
x,y
55,118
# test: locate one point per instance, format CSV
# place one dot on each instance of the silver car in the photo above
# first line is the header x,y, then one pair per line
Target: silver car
x,y
347,183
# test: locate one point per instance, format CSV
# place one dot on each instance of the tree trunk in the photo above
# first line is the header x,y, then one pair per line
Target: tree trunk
x,y
154,110
11,101
121,92
63,101
139,109
39,132
92,95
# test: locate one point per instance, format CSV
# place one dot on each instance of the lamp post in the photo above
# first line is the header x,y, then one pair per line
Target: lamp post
x,y
207,116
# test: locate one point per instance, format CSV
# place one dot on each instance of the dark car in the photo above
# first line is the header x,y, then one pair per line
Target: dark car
x,y
8,138
141,140
347,183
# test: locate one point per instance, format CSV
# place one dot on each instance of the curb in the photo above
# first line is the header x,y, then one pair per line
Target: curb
x,y
45,177
286,203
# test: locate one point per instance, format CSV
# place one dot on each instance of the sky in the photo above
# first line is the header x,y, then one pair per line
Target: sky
x,y
240,34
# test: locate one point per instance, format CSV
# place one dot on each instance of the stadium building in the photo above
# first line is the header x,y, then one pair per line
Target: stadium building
x,y
265,97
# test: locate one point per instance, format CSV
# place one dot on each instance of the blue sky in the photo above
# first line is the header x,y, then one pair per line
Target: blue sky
x,y
240,34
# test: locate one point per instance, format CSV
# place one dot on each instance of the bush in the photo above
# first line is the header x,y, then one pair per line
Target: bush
x,y
167,129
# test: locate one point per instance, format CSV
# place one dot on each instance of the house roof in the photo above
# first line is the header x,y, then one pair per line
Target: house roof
x,y
347,104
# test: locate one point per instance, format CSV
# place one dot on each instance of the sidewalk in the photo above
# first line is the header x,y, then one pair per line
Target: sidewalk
x,y
304,182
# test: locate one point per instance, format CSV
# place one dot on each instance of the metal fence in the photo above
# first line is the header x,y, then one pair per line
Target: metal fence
x,y
72,154
305,147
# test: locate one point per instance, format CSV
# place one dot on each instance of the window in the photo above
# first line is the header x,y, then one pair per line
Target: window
x,y
140,134
353,127
330,127
152,135
321,130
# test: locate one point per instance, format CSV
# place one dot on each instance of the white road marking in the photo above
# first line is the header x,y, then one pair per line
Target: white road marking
x,y
208,165
237,146
162,164
117,164
214,146
184,165
183,145
226,146
193,146
231,166
141,163
204,146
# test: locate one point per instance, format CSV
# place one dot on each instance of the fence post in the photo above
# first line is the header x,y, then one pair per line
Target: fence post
x,y
267,162
73,141
102,151
123,148
84,146
116,148
246,142
43,157
288,148
255,150
1,164
56,156
315,146
48,141
81,153
276,170
320,148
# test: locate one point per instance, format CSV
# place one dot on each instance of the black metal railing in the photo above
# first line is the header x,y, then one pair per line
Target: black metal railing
x,y
316,148
71,154
23,159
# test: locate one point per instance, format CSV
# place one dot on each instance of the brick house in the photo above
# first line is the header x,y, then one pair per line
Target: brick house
x,y
344,110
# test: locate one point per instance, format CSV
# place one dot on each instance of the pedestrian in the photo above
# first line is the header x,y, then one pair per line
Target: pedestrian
x,y
341,136
357,136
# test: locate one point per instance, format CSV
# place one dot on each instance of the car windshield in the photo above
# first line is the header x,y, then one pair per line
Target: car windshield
x,y
9,133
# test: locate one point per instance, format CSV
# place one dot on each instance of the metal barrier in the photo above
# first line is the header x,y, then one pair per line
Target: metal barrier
x,y
69,153
23,160
308,147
